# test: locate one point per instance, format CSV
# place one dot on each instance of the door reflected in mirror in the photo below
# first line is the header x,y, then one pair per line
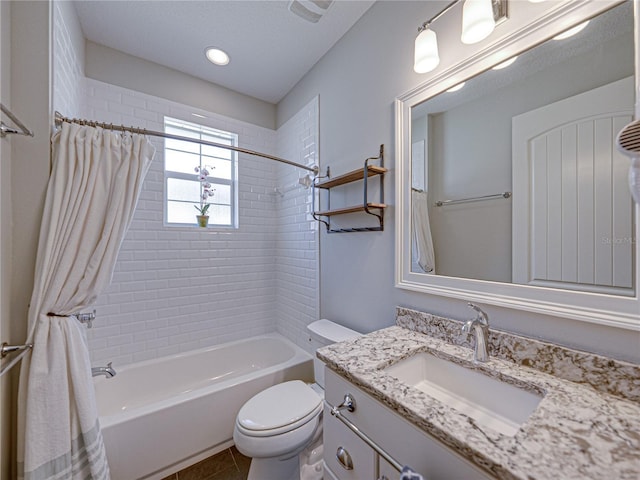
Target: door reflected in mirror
x,y
515,177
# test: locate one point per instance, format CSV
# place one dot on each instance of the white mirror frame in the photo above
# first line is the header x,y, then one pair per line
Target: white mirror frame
x,y
610,310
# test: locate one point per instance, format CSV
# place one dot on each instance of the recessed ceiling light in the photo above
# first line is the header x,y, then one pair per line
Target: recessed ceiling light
x,y
505,64
572,31
198,115
457,87
216,56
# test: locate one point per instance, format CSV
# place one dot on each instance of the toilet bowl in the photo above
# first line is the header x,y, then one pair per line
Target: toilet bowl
x,y
281,427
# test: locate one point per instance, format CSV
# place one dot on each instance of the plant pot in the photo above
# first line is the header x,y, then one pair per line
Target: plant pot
x,y
203,220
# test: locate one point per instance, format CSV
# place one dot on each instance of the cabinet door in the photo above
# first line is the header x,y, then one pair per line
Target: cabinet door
x,y
402,440
361,456
386,470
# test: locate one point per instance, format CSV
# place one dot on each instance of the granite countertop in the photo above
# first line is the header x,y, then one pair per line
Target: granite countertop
x,y
575,432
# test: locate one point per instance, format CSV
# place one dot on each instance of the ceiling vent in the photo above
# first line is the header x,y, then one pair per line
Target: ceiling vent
x,y
310,10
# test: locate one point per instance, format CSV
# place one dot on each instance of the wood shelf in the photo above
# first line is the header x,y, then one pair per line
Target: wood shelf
x,y
353,176
355,209
375,209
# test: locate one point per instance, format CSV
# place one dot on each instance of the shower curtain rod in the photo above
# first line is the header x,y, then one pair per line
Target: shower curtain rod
x,y
59,118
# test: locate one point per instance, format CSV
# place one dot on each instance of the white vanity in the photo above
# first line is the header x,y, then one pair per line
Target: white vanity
x,y
534,411
391,432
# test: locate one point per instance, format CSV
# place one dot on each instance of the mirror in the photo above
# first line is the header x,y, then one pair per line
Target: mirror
x,y
513,187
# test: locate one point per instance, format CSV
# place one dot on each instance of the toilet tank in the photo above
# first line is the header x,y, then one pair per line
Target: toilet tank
x,y
322,333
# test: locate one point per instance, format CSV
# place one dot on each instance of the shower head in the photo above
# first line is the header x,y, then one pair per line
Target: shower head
x,y
305,181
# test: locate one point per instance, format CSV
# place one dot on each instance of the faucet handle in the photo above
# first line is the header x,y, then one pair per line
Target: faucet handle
x,y
482,316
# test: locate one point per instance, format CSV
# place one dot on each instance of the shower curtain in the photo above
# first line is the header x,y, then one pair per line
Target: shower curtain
x,y
423,253
92,193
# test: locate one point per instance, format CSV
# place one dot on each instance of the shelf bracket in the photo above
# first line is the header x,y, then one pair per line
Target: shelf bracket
x,y
374,209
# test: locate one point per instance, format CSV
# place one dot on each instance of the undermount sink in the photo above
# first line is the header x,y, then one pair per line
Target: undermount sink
x,y
490,402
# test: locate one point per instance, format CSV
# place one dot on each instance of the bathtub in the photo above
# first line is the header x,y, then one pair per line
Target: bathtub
x,y
162,415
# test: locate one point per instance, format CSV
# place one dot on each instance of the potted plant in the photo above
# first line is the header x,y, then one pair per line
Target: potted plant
x,y
206,192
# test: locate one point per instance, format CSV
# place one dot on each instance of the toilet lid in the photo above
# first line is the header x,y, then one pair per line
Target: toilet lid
x,y
285,404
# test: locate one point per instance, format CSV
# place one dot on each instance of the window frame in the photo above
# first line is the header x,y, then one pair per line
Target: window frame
x,y
201,130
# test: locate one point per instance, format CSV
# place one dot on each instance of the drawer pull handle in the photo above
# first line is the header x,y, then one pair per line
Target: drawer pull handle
x,y
348,402
344,459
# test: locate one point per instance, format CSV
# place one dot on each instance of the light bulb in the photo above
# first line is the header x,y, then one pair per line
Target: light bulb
x,y
572,31
457,87
217,56
505,64
426,56
477,21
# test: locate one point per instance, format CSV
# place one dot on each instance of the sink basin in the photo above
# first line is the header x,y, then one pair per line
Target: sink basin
x,y
490,402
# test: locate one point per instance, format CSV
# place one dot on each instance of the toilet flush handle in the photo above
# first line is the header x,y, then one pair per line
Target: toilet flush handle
x,y
349,403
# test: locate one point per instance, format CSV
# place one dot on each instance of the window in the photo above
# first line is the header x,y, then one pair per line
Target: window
x,y
183,190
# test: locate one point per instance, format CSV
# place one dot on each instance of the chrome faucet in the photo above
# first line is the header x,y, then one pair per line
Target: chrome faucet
x,y
479,328
107,371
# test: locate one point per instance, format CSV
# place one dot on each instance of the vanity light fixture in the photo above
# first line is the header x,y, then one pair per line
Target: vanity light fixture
x,y
479,18
572,31
506,63
477,21
216,56
426,56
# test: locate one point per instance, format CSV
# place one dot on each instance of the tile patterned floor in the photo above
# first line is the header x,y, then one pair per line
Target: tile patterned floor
x,y
226,465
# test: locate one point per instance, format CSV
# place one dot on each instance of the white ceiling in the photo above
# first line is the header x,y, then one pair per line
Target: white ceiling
x,y
271,49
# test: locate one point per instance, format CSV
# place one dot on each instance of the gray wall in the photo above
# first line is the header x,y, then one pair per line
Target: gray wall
x,y
358,81
472,156
118,68
5,240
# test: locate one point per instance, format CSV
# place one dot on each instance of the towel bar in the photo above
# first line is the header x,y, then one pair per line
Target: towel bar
x,y
442,203
377,448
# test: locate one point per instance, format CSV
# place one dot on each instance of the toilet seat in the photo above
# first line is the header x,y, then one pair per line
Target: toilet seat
x,y
279,409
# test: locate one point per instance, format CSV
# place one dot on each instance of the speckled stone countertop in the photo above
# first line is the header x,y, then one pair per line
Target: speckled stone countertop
x,y
576,431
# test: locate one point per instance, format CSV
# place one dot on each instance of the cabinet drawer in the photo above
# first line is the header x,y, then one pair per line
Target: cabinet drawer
x,y
337,436
405,442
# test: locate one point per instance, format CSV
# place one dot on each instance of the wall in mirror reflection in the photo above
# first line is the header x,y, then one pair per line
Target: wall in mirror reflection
x,y
544,129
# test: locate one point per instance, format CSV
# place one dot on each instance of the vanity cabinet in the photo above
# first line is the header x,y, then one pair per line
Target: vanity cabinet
x,y
404,442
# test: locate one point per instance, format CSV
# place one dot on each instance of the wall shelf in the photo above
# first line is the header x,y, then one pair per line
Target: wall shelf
x,y
352,176
371,208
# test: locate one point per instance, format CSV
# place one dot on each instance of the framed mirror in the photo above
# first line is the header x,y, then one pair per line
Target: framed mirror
x,y
510,190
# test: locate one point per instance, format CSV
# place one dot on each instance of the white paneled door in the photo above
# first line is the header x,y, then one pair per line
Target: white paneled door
x,y
572,210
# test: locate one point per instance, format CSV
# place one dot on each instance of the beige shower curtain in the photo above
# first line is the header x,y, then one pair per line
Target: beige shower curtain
x,y
92,193
422,243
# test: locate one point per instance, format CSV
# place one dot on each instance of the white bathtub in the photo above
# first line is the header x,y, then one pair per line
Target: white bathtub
x,y
160,416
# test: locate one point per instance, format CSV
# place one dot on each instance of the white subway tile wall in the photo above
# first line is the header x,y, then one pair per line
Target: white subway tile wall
x,y
68,71
176,289
298,235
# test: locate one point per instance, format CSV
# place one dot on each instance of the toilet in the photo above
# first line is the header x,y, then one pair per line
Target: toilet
x,y
281,427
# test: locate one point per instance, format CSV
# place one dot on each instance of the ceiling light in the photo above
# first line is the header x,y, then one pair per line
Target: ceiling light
x,y
505,64
456,87
426,56
572,31
198,115
216,56
479,18
477,21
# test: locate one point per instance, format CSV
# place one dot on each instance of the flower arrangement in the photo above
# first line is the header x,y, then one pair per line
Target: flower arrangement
x,y
207,190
